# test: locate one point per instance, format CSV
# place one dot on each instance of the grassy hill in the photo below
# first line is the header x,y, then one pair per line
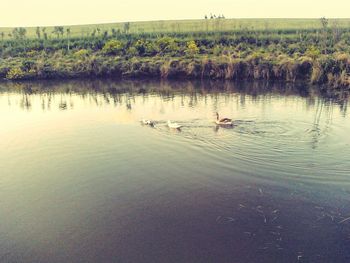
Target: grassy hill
x,y
191,26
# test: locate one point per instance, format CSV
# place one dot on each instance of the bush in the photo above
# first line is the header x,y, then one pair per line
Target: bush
x,y
82,53
15,73
145,48
113,47
27,64
313,52
32,53
192,48
316,74
344,58
132,51
167,45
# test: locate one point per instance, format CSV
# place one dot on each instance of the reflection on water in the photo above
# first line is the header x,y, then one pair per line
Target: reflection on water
x,y
83,181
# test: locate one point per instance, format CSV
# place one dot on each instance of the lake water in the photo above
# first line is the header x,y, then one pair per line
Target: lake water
x,y
81,180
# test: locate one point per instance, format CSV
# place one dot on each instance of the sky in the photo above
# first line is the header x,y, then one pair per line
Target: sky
x,y
75,12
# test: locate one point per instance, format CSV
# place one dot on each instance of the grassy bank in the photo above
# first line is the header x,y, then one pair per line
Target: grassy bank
x,y
316,51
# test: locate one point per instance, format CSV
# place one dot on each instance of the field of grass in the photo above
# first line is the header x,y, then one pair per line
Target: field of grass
x,y
192,26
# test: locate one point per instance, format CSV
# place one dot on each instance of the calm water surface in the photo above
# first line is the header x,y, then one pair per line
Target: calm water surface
x,y
81,180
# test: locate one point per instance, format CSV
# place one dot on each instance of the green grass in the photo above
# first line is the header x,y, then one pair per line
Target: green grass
x,y
188,26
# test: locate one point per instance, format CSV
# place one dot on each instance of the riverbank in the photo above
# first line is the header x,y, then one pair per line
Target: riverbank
x,y
318,54
331,70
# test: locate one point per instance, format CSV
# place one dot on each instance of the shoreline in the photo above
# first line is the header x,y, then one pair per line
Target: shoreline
x,y
312,72
318,53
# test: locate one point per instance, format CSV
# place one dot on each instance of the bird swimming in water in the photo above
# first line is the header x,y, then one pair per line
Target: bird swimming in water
x,y
174,125
223,121
148,122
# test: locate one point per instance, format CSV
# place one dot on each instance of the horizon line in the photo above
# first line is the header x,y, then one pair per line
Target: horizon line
x,y
185,19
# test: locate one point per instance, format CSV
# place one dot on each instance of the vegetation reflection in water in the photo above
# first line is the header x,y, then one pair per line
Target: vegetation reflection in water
x,y
81,175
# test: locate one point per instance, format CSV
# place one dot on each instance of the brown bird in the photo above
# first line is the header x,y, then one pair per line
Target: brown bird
x,y
223,121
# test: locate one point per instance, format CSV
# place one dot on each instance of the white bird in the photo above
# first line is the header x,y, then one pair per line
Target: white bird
x,y
147,122
224,121
174,125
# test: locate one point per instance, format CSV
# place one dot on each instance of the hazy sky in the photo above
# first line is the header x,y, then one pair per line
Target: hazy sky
x,y
69,12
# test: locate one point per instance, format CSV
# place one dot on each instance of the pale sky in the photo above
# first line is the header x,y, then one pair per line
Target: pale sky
x,y
71,12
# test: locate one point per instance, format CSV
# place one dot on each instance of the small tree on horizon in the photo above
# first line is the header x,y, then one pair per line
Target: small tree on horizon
x,y
114,32
68,38
19,33
126,27
43,30
58,31
324,23
105,34
93,34
38,32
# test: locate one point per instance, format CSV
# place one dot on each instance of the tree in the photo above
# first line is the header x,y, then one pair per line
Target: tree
x,y
19,33
68,38
324,23
2,36
336,32
126,27
38,32
93,32
114,32
68,32
61,30
205,17
105,34
43,30
58,31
